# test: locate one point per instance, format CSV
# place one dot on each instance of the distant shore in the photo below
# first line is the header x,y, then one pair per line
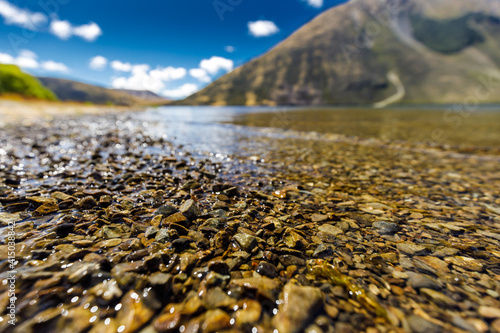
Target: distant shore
x,y
29,112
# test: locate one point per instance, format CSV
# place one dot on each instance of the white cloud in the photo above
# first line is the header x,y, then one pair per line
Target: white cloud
x,y
6,58
169,73
262,28
61,29
315,3
143,78
53,66
121,66
127,83
139,69
65,30
140,81
21,17
181,92
229,49
98,63
90,32
211,67
200,74
33,20
215,64
26,59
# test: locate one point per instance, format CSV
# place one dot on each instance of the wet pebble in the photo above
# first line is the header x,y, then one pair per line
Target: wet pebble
x,y
266,269
421,325
411,248
190,209
298,307
418,281
386,228
465,262
489,312
166,210
86,203
247,242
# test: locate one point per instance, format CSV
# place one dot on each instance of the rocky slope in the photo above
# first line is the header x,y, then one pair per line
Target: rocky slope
x,y
376,52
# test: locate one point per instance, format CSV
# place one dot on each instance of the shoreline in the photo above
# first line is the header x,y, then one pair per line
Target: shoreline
x,y
26,113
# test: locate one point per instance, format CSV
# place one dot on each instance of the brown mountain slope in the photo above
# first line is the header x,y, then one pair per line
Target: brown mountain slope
x,y
67,90
374,51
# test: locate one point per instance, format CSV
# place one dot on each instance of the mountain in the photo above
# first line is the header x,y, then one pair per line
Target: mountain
x,y
375,52
144,95
67,90
15,81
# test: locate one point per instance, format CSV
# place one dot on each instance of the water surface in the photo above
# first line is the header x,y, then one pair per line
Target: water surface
x,y
219,129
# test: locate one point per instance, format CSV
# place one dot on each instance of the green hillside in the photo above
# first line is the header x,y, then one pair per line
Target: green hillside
x,y
15,81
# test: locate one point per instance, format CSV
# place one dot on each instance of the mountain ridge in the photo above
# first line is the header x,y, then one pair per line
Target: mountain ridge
x,y
68,90
439,51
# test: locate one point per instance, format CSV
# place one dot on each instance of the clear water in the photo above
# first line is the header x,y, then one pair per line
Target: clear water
x,y
227,130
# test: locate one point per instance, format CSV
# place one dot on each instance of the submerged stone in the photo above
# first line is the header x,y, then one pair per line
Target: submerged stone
x,y
299,306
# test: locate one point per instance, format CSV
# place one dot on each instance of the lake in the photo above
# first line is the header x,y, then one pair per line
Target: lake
x,y
220,129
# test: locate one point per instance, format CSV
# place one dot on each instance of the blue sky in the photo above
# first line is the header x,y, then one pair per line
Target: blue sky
x,y
170,47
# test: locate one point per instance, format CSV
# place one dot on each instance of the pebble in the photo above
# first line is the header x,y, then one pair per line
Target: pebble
x,y
86,203
190,185
216,298
168,322
386,228
294,240
323,251
265,287
290,260
266,269
151,232
166,210
489,312
178,218
249,313
247,242
438,298
216,321
298,307
46,208
463,324
6,218
418,281
411,248
470,264
160,279
134,313
421,325
190,209
319,217
496,325
330,229
436,265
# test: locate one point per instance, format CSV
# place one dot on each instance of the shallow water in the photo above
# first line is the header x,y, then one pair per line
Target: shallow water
x,y
216,128
203,129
